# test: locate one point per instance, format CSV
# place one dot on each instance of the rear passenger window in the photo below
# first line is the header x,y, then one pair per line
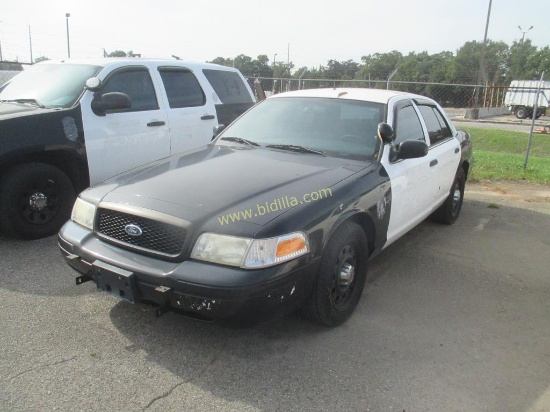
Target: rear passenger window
x,y
182,88
228,86
438,129
136,83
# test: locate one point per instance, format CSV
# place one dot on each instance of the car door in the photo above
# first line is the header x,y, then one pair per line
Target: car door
x,y
191,113
123,139
444,152
410,178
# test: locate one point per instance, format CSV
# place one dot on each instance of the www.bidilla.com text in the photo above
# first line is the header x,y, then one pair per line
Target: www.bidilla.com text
x,y
276,205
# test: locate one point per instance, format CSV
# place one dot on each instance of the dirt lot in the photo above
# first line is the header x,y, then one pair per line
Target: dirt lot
x,y
525,195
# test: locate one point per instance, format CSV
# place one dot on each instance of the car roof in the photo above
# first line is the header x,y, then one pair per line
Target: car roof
x,y
118,61
369,95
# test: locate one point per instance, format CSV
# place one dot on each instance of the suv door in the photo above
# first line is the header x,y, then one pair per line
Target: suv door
x,y
123,139
191,114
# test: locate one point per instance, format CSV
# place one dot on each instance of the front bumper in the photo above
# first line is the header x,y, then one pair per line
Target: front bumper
x,y
208,290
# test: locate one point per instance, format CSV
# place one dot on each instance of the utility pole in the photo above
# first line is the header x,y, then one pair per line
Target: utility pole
x,y
67,15
30,43
1,59
482,75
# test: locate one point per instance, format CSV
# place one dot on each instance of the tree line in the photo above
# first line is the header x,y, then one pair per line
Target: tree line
x,y
493,62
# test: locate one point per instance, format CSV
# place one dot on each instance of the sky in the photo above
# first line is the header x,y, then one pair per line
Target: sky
x,y
308,33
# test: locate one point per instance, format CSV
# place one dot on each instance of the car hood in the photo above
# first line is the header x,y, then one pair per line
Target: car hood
x,y
9,110
214,181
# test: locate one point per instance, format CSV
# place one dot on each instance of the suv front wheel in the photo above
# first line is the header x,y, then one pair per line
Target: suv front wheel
x,y
35,200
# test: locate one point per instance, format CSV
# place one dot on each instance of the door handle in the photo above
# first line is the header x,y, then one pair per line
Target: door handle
x,y
433,163
156,123
208,117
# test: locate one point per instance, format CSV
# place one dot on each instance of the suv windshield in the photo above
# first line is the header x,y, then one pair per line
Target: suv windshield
x,y
335,127
49,85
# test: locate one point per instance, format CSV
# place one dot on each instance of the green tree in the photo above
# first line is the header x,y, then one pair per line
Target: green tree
x,y
118,53
41,59
523,61
378,67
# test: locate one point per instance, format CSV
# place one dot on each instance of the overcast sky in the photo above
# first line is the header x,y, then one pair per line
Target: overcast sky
x,y
317,31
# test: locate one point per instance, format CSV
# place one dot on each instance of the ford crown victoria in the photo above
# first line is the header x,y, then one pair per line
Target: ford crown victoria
x,y
282,211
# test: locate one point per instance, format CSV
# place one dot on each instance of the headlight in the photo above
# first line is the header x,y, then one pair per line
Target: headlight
x,y
249,253
83,213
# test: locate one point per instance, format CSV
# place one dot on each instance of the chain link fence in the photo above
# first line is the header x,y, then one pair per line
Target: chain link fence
x,y
448,95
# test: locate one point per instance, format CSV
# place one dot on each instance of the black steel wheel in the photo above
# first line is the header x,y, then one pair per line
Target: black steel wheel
x,y
36,199
341,278
449,211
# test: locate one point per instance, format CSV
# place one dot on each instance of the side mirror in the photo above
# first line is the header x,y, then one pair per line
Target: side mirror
x,y
217,130
385,133
411,149
103,103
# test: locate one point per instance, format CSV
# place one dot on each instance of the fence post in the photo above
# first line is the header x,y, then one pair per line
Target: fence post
x,y
533,118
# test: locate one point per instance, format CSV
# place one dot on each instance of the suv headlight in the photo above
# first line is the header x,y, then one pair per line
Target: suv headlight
x,y
83,213
249,253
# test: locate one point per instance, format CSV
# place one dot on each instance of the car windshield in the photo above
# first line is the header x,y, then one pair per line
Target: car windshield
x,y
49,85
334,127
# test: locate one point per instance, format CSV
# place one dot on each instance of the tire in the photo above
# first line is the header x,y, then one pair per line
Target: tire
x,y
335,295
35,200
449,211
521,112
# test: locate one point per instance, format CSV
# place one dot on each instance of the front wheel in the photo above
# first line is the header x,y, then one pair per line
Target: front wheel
x,y
35,200
341,278
449,211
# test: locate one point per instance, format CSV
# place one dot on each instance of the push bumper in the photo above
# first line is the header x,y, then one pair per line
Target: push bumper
x,y
207,290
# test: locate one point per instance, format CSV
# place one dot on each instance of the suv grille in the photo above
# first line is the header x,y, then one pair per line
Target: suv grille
x,y
156,236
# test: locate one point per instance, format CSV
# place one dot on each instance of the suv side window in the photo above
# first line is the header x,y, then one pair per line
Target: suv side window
x,y
228,86
182,87
436,125
407,125
136,83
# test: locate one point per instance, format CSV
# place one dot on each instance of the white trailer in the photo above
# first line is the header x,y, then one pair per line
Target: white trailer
x,y
520,98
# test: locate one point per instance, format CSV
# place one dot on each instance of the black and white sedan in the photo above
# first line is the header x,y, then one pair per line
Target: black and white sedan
x,y
282,211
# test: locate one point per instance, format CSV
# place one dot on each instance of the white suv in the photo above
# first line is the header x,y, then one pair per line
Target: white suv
x,y
69,124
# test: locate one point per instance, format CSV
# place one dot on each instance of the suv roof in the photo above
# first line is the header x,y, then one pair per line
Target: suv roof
x,y
120,61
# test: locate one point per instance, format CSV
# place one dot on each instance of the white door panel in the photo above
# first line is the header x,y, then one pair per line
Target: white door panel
x,y
189,129
410,188
121,140
118,142
190,104
443,173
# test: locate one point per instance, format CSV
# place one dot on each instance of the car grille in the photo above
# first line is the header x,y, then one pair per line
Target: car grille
x,y
156,236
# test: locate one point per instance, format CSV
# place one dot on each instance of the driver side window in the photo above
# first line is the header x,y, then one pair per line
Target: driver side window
x,y
137,84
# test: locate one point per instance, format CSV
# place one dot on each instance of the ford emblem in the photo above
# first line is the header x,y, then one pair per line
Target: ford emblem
x,y
133,230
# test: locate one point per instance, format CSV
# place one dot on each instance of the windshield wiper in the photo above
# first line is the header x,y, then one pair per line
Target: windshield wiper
x,y
33,102
295,148
240,140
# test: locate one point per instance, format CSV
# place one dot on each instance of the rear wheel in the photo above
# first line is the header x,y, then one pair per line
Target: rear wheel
x,y
35,200
449,211
341,278
521,112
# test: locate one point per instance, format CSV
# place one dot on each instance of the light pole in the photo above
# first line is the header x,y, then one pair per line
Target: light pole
x,y
520,66
1,59
524,32
275,55
67,15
